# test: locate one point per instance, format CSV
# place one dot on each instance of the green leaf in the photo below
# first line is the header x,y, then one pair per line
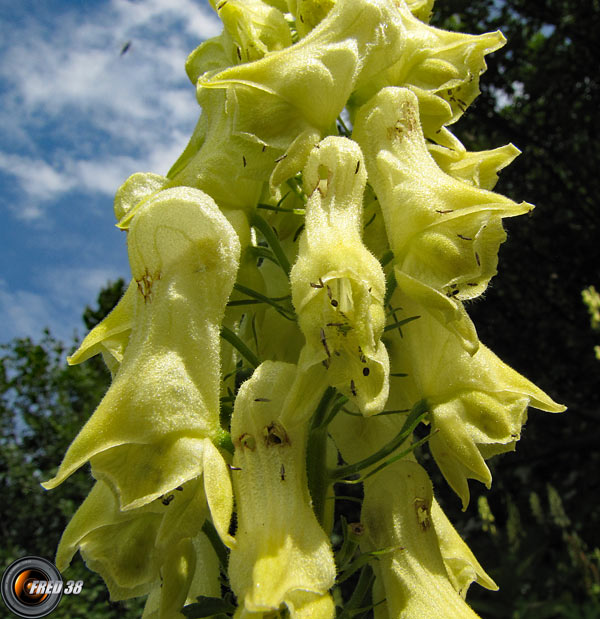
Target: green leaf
x,y
207,607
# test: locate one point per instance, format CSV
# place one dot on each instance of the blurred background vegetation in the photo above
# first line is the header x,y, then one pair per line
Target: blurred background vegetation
x,y
537,531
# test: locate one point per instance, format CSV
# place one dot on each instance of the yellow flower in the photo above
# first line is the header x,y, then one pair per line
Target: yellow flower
x,y
442,68
338,286
394,498
157,549
444,233
291,97
155,427
477,403
282,557
398,517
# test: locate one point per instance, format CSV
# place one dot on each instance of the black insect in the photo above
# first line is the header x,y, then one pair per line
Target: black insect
x,y
333,302
324,342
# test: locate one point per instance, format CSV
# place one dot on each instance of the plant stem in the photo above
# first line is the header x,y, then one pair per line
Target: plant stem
x,y
316,457
261,224
413,419
234,340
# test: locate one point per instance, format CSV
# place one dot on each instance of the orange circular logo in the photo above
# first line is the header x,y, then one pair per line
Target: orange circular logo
x,y
31,587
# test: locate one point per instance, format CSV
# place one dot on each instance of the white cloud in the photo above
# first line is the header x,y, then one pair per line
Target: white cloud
x,y
57,302
113,114
22,313
74,286
36,177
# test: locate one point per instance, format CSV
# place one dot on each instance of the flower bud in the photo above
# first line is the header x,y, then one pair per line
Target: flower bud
x,y
338,286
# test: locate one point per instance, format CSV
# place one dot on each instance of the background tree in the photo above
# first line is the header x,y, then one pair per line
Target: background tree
x,y
43,404
541,92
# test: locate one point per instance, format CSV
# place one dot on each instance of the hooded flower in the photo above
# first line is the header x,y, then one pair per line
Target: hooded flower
x,y
282,557
338,286
286,100
444,233
358,438
442,68
156,549
477,403
155,427
397,514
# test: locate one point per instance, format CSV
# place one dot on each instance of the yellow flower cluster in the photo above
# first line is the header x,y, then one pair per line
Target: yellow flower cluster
x,y
297,295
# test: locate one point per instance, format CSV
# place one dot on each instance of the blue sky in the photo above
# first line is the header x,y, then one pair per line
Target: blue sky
x,y
76,119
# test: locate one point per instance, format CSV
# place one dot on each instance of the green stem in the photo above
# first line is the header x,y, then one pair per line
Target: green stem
x,y
316,457
342,124
262,252
219,547
413,419
236,342
261,224
281,209
263,299
346,553
400,323
293,185
363,586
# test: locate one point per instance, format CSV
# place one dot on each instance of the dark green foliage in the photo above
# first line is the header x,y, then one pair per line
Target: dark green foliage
x,y
207,607
541,92
43,404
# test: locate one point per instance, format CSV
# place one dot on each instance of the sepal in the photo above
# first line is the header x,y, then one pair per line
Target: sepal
x,y
253,27
111,336
154,428
461,564
281,555
397,516
338,286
